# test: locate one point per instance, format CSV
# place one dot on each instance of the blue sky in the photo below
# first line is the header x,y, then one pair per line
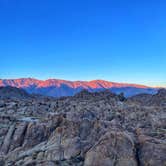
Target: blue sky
x,y
116,40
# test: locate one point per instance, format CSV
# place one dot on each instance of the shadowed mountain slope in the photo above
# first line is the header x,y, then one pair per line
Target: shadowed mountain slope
x,y
12,92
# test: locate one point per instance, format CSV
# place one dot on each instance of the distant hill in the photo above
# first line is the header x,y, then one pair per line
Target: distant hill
x,y
59,88
159,99
13,92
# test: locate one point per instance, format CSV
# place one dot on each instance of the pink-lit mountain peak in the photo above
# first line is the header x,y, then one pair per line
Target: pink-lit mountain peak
x,y
58,88
26,82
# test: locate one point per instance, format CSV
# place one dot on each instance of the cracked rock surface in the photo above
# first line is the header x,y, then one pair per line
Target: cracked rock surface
x,y
88,129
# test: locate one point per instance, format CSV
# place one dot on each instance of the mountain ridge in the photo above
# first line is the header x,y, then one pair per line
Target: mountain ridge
x,y
59,87
53,80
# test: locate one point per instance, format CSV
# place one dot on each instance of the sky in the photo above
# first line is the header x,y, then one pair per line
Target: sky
x,y
114,40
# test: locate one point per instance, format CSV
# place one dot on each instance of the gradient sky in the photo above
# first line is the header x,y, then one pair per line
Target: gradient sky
x,y
115,40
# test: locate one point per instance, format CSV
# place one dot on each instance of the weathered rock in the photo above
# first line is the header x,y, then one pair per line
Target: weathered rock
x,y
151,151
18,136
36,133
7,140
114,148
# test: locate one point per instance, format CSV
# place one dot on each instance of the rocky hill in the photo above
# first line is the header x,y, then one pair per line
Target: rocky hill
x,y
149,100
88,129
12,92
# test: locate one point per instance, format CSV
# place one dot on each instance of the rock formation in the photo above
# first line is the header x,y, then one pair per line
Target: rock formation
x,y
88,129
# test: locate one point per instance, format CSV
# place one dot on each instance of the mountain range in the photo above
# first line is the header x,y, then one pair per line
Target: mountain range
x,y
59,88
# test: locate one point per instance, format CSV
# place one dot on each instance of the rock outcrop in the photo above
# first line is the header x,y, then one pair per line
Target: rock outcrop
x,y
88,129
